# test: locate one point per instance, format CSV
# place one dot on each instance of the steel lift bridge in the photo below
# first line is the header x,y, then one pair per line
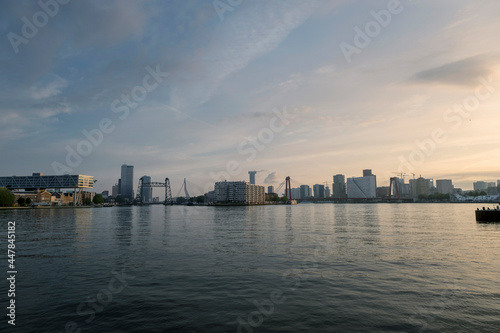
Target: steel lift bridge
x,y
166,185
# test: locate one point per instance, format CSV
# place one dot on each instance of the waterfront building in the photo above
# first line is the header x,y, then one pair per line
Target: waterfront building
x,y
114,191
296,193
146,191
327,192
492,190
270,189
305,191
39,183
211,196
423,186
444,186
362,187
339,187
480,186
319,191
127,182
239,192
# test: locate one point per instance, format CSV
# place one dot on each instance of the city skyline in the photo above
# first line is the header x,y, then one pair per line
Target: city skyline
x,y
310,89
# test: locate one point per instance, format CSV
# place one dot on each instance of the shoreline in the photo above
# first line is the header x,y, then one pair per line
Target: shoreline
x,y
44,207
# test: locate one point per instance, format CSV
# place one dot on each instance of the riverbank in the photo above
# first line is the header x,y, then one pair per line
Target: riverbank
x,y
44,207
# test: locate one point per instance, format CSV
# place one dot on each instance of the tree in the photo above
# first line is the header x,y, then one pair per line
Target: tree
x,y
119,200
28,201
98,199
21,202
180,200
6,197
200,199
87,202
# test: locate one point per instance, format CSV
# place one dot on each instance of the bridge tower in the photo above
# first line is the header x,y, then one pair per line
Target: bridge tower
x,y
288,188
168,193
395,187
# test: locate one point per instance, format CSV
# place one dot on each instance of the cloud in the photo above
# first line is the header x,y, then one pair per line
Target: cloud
x,y
49,89
271,178
328,69
464,72
244,36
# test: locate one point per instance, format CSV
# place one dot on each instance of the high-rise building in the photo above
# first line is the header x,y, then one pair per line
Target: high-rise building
x,y
327,192
319,191
146,191
252,176
114,191
444,186
480,186
127,182
304,191
296,193
423,186
339,187
362,187
270,189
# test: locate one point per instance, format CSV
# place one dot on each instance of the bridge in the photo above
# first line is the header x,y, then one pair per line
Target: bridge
x,y
146,185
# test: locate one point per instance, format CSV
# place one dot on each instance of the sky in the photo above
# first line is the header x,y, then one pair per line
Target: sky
x,y
208,90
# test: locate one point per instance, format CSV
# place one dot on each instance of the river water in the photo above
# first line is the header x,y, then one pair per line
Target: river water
x,y
302,268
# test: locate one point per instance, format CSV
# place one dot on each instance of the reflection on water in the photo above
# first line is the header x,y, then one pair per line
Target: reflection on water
x,y
366,267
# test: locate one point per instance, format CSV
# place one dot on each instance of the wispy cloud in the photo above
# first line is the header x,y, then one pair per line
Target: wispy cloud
x,y
465,72
46,89
244,36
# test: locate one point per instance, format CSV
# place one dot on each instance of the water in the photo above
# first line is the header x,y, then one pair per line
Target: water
x,y
303,268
